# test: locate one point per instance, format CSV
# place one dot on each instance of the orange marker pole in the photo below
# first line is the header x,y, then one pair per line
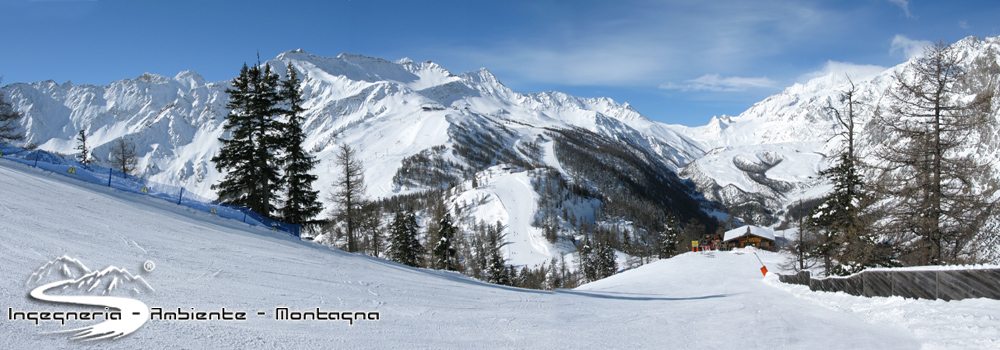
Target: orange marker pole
x,y
763,269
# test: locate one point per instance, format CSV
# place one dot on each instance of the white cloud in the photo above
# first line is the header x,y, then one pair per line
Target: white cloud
x,y
903,4
715,82
605,63
964,25
648,42
843,70
908,47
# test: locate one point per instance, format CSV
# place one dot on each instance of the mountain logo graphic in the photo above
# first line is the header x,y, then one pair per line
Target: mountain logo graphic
x,y
65,280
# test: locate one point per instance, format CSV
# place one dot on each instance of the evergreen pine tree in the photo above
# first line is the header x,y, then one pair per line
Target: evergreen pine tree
x,y
495,268
838,238
404,246
836,221
84,156
599,260
669,237
588,260
598,255
445,254
248,157
553,277
607,261
301,202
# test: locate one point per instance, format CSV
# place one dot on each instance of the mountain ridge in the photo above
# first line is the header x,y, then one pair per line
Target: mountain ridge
x,y
395,112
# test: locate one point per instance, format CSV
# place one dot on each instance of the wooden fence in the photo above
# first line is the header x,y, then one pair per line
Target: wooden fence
x,y
937,284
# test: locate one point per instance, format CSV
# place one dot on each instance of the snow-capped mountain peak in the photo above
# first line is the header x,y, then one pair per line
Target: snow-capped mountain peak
x,y
399,111
190,79
800,124
391,111
361,68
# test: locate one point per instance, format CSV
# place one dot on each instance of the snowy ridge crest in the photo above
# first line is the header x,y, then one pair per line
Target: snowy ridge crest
x,y
395,113
799,126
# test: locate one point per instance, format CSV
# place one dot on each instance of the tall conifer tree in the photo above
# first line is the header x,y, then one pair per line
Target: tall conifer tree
x,y
841,241
496,269
248,157
301,202
669,238
942,191
404,246
445,254
349,194
84,156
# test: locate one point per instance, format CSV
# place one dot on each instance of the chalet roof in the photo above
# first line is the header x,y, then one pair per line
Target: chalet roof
x,y
748,230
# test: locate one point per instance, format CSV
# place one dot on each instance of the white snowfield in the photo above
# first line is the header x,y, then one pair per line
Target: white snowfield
x,y
511,199
693,301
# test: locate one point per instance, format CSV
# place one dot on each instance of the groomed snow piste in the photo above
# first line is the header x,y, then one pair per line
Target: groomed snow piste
x,y
693,301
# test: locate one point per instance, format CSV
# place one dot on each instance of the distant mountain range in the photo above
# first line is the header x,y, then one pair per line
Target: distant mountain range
x,y
417,126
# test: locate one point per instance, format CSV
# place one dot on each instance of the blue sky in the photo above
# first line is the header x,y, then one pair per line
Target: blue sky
x,y
678,62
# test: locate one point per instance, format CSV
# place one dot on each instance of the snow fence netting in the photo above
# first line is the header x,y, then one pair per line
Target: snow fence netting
x,y
111,178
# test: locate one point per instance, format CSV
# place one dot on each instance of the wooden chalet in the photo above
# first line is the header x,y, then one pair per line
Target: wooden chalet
x,y
749,236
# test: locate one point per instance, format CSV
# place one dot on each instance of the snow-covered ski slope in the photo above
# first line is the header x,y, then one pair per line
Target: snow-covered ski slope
x,y
693,301
510,199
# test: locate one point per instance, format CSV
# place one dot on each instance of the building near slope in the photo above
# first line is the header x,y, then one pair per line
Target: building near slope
x,y
749,236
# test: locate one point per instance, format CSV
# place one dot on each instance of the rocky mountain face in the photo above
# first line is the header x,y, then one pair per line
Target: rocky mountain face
x,y
417,127
764,161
